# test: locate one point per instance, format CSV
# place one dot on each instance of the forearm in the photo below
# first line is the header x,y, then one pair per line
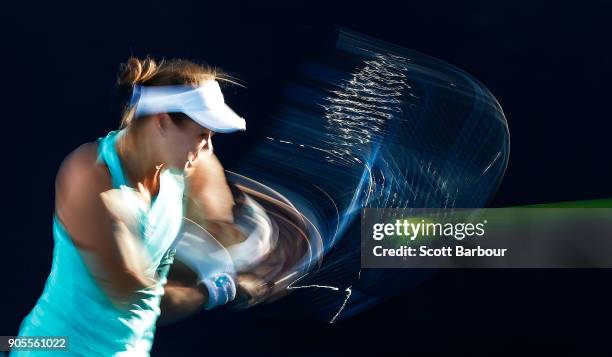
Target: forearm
x,y
180,302
201,277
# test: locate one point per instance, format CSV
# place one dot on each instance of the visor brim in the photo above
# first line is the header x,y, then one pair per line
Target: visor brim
x,y
221,119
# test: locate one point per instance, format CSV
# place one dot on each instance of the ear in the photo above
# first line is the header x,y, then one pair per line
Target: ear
x,y
162,122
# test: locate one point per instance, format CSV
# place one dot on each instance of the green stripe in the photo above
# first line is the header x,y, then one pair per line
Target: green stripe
x,y
599,203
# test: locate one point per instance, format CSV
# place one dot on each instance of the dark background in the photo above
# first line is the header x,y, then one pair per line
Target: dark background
x,y
547,63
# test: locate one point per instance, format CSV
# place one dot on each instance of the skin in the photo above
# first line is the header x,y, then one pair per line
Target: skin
x,y
210,204
106,245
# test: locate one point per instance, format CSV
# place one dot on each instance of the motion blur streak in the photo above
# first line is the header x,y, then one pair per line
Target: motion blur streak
x,y
372,125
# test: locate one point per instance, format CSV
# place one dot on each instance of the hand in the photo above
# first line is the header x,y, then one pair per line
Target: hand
x,y
250,290
126,209
127,206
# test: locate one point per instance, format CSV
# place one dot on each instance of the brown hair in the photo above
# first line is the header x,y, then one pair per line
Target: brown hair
x,y
148,72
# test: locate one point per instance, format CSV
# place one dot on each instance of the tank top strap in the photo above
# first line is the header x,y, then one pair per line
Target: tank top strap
x,y
107,153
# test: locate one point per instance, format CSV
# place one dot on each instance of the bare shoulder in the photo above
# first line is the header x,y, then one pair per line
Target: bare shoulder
x,y
106,249
80,178
81,167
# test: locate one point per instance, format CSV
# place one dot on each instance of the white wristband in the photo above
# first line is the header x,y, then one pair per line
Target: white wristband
x,y
221,290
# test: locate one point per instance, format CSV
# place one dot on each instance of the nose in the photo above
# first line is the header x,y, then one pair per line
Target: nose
x,y
207,146
204,146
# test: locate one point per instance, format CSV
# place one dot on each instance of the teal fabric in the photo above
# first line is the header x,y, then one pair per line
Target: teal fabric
x,y
73,305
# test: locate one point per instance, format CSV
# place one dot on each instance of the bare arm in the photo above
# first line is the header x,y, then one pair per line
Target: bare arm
x,y
107,248
210,205
183,296
210,201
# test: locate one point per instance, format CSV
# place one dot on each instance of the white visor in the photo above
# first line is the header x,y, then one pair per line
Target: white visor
x,y
204,105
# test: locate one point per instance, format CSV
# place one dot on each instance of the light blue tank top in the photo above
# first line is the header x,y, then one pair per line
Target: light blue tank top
x,y
73,305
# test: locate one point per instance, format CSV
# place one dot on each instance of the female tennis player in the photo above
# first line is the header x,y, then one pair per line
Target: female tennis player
x,y
119,206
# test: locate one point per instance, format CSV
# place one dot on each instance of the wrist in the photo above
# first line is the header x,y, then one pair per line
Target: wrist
x,y
218,289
